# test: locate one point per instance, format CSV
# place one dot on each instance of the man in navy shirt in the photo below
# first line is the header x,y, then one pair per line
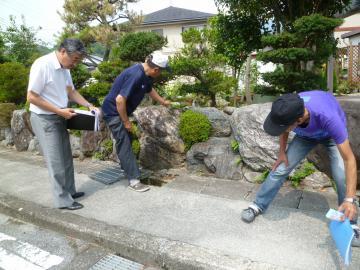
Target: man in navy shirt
x,y
127,92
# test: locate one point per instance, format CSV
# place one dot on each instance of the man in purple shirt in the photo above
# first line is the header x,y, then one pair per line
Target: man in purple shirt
x,y
316,118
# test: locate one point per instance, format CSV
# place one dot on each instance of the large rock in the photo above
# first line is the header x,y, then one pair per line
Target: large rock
x,y
215,156
219,121
21,129
257,149
7,137
160,144
90,141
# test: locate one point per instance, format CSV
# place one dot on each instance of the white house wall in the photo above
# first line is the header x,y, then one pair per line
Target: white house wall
x,y
173,34
350,23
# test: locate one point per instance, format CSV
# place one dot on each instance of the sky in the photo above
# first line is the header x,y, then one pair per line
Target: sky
x,y
43,13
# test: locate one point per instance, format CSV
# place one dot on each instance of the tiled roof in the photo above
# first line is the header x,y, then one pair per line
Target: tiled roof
x,y
175,14
350,34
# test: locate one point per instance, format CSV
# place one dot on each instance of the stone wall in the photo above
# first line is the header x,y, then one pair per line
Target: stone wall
x,y
162,148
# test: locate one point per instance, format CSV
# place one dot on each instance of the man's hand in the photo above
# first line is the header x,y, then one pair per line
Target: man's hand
x,y
93,108
166,103
67,113
349,210
281,158
128,125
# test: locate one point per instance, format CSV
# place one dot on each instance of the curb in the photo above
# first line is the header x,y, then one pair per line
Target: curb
x,y
144,248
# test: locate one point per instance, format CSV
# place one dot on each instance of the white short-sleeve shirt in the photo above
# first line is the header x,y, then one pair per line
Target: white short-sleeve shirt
x,y
49,80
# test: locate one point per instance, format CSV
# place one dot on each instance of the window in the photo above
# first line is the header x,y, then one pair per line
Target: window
x,y
198,26
158,31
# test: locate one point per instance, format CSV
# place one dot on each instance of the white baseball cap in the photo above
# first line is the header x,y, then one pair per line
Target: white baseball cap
x,y
160,60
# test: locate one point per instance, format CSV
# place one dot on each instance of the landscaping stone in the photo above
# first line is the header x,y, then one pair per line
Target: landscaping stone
x,y
215,156
160,144
257,149
219,121
21,129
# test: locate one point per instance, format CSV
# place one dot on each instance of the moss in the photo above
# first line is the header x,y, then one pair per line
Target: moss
x,y
261,178
235,146
194,127
306,169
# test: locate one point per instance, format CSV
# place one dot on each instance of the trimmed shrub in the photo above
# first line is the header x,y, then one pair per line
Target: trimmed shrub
x,y
6,110
13,82
79,75
194,127
95,91
107,71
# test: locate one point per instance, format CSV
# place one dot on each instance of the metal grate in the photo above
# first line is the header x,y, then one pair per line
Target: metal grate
x,y
109,175
113,262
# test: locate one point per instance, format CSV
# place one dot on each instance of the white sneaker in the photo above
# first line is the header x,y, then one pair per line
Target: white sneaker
x,y
139,187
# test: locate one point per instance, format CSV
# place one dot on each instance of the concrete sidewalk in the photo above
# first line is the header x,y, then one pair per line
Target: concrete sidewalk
x,y
191,223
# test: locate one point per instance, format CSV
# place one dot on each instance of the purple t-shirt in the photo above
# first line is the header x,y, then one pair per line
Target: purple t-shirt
x,y
327,119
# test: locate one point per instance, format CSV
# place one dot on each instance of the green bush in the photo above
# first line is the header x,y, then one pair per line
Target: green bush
x,y
136,46
95,91
6,110
79,75
306,169
13,82
194,127
105,150
107,71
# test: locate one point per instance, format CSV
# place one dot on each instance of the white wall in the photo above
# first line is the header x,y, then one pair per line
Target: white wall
x,y
173,34
351,21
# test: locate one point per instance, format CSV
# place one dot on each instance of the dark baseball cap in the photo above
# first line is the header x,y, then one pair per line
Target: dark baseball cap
x,y
284,112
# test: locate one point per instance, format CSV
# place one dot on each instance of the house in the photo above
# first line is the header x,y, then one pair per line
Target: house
x,y
351,23
92,61
171,22
352,38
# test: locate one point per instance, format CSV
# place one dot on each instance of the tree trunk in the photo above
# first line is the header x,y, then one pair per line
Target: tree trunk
x,y
107,53
330,74
213,100
247,80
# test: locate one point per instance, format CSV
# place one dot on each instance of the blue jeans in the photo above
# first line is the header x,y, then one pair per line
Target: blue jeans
x,y
123,147
297,150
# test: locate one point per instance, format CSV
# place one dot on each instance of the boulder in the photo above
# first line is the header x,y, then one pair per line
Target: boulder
x,y
21,129
229,110
316,181
219,121
90,141
75,145
8,138
215,156
257,149
160,144
34,146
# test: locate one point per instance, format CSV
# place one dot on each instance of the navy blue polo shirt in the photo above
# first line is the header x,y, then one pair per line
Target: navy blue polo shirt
x,y
132,84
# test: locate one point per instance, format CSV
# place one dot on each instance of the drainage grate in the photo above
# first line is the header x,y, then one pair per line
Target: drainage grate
x,y
109,175
113,262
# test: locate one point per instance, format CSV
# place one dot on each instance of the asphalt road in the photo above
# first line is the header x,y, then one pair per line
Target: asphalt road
x,y
24,246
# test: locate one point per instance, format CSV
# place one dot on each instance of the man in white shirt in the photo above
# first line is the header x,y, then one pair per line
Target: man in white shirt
x,y
49,90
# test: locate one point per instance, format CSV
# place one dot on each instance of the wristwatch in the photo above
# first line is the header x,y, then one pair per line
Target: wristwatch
x,y
352,200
